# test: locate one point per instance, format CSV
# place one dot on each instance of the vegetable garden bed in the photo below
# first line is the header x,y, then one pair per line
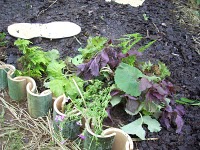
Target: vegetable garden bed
x,y
172,42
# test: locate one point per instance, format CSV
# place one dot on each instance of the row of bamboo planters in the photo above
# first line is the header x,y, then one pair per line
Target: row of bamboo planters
x,y
39,104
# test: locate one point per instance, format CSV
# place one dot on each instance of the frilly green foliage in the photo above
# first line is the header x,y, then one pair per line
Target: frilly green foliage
x,y
34,61
128,41
94,45
164,71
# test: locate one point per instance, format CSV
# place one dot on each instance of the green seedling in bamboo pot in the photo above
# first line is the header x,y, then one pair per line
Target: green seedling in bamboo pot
x,y
95,98
67,119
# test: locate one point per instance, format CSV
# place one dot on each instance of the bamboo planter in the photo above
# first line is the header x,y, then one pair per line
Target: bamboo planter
x,y
69,129
4,68
38,104
110,139
93,141
21,88
122,140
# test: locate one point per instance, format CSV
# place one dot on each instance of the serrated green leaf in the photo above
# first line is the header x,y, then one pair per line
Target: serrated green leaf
x,y
164,71
128,41
52,54
22,44
153,124
126,78
141,49
147,66
70,88
94,45
57,86
130,60
115,100
54,69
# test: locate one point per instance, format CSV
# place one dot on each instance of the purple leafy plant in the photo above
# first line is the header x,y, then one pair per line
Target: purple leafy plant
x,y
172,116
108,56
155,94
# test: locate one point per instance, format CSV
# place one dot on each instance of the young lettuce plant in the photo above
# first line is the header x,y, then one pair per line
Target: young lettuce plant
x,y
61,82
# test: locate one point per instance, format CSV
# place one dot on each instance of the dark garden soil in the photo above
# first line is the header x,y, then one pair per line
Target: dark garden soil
x,y
175,47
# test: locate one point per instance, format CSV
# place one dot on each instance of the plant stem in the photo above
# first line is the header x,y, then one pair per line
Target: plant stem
x,y
80,93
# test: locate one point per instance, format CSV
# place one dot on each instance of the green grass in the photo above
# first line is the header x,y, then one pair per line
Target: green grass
x,y
14,140
2,117
3,42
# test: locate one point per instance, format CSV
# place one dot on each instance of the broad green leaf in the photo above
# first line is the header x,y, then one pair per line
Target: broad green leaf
x,y
126,78
153,124
57,87
70,88
135,128
115,100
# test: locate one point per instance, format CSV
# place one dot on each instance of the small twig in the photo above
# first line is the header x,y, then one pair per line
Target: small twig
x,y
80,93
42,11
195,40
156,27
147,139
147,34
77,40
7,133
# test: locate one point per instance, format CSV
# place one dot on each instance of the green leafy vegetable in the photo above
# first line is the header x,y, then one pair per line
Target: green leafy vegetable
x,y
77,60
126,78
96,97
130,60
146,18
57,86
135,127
55,69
